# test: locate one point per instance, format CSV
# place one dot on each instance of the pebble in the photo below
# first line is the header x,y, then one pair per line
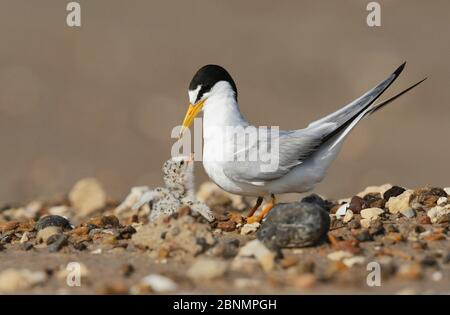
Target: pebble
x,y
250,228
356,204
289,261
442,201
159,284
262,254
371,213
410,271
339,255
245,283
46,233
447,190
8,226
446,259
58,243
436,213
305,281
207,269
226,248
365,223
394,191
364,236
294,225
399,203
374,200
409,213
127,270
53,220
424,219
352,261
105,221
342,210
348,216
14,280
24,238
375,189
87,196
316,199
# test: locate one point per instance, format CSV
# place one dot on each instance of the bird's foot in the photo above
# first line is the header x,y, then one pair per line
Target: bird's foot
x,y
253,219
263,214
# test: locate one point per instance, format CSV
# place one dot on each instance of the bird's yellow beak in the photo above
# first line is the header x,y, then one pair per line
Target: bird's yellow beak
x,y
191,113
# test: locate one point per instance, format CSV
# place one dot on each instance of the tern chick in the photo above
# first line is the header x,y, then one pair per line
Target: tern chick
x,y
179,191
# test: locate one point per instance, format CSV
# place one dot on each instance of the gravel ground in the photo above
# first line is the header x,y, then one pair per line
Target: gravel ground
x,y
402,233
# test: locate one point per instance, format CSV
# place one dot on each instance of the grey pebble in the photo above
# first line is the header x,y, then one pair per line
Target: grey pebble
x,y
59,242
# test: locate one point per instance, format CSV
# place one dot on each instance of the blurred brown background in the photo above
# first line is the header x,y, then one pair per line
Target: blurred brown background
x,y
101,100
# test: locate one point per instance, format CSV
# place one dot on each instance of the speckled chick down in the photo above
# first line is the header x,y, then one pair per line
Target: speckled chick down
x,y
179,191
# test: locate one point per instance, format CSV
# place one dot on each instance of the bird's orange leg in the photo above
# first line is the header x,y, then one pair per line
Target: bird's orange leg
x,y
255,207
264,212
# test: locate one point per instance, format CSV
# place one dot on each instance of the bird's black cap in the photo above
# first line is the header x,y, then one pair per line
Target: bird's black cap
x,y
207,76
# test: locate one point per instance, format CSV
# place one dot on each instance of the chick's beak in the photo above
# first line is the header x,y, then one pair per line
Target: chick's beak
x,y
191,113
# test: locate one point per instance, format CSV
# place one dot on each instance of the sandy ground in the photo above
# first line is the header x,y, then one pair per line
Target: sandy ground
x,y
117,253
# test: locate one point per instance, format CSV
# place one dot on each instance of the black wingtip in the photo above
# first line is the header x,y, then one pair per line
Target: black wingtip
x,y
400,69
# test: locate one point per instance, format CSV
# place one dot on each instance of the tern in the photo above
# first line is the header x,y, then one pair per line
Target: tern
x,y
304,155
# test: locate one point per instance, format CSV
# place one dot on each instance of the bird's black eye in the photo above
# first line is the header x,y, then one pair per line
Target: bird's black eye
x,y
182,163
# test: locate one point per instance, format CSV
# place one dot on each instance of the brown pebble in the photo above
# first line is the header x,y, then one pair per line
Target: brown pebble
x,y
126,270
356,204
394,237
289,261
412,271
8,226
305,281
104,221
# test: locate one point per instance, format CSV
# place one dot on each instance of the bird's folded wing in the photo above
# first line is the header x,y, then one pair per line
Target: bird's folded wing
x,y
284,151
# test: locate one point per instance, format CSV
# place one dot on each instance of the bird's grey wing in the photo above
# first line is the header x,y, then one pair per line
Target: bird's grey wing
x,y
296,146
276,155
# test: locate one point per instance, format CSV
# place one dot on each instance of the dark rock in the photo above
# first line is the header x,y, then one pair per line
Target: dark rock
x,y
296,224
126,232
390,228
27,246
357,204
59,242
364,236
353,224
80,246
428,261
316,199
376,228
227,248
394,191
53,220
374,200
126,270
446,259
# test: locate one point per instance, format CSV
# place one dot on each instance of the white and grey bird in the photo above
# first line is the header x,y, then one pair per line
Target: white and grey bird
x,y
304,155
